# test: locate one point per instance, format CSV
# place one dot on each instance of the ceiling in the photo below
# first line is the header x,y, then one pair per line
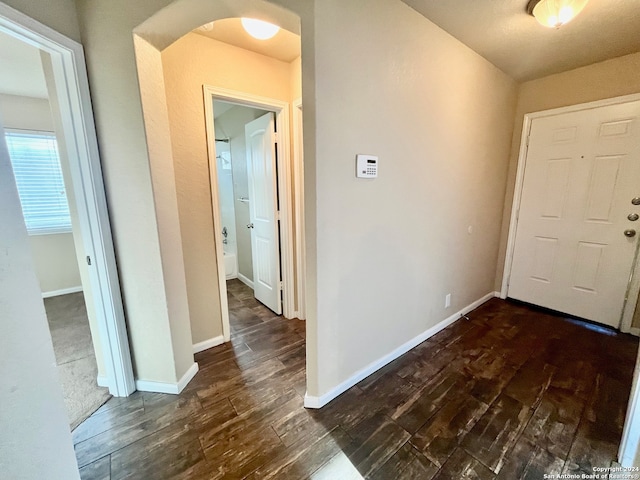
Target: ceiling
x,y
503,33
285,46
499,30
20,69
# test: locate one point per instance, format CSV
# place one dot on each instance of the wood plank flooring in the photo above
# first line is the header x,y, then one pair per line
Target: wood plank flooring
x,y
512,393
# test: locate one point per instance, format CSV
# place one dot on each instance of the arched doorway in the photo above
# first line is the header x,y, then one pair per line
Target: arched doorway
x,y
151,38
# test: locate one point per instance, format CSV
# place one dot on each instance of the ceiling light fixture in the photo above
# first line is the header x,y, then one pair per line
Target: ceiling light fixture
x,y
555,13
260,29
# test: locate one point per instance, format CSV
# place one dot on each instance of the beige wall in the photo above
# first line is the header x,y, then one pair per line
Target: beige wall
x,y
26,113
193,61
59,15
132,206
440,118
613,78
296,79
54,256
172,261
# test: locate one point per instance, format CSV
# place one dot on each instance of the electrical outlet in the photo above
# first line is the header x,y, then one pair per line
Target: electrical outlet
x,y
447,300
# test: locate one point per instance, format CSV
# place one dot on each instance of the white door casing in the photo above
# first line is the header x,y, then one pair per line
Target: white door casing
x,y
570,252
298,154
281,110
263,210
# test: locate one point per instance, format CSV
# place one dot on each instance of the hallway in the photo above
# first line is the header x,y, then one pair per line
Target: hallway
x,y
512,393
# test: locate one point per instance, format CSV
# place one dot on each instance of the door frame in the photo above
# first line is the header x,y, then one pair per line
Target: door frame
x,y
633,288
79,133
630,442
298,192
281,110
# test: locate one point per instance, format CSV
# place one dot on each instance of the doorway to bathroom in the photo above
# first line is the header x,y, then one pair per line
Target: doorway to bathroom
x,y
243,163
252,194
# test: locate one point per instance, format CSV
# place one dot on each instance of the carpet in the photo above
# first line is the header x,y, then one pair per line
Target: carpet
x,y
75,357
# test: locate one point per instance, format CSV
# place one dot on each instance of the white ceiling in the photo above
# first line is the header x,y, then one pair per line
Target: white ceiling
x,y
503,33
284,46
20,69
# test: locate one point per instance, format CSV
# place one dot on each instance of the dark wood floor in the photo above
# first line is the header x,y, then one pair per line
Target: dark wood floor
x,y
511,393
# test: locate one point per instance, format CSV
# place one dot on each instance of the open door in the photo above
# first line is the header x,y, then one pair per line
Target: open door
x,y
263,210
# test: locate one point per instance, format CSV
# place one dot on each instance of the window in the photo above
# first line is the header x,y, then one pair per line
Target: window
x,y
36,166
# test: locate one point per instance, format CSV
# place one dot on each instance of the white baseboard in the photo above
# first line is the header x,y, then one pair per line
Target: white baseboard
x,y
311,401
63,291
103,381
245,280
173,388
212,342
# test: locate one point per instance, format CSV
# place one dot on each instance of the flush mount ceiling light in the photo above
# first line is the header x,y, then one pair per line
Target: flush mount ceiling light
x,y
260,29
555,13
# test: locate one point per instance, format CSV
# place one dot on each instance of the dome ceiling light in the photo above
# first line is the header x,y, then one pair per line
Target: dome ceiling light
x,y
555,13
260,29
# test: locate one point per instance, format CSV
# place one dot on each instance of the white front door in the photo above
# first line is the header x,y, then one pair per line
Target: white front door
x,y
263,210
575,241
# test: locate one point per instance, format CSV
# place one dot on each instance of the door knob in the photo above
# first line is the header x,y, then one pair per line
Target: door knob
x,y
635,200
629,233
633,217
250,225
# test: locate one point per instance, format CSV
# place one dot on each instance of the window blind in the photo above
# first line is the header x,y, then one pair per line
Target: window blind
x,y
36,166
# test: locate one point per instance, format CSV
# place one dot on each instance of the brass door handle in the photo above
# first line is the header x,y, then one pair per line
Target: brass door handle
x,y
630,233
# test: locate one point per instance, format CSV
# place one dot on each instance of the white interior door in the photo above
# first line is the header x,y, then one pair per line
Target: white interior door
x,y
263,210
575,241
